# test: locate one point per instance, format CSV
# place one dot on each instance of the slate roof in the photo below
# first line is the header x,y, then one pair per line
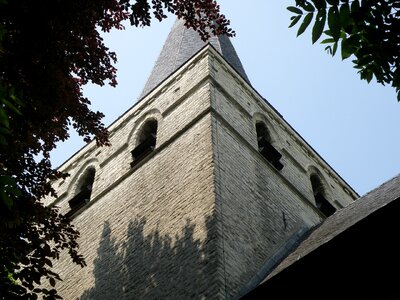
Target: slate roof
x,y
342,220
181,44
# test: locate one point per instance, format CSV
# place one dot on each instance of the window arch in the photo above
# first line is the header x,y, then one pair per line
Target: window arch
x,y
83,191
265,146
145,141
322,203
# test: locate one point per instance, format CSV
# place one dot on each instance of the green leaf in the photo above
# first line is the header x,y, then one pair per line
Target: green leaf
x,y
308,7
306,22
294,22
4,131
8,184
295,10
15,98
4,118
328,41
344,14
319,25
334,22
365,60
328,49
15,191
11,106
7,180
319,4
6,199
367,74
346,49
335,45
350,45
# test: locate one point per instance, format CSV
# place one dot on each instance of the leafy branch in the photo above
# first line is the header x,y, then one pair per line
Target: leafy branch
x,y
365,29
48,52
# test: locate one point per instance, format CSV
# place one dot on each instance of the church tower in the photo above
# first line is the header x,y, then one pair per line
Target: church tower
x,y
204,189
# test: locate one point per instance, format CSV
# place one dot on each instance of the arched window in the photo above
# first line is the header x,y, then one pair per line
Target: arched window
x,y
84,191
146,141
322,203
265,146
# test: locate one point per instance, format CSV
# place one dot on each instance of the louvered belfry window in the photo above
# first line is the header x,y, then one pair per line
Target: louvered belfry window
x,y
321,202
146,142
266,148
82,197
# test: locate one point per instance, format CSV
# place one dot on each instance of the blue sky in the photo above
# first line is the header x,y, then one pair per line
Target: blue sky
x,y
351,124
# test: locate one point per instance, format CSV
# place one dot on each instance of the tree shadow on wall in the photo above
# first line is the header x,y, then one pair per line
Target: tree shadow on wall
x,y
152,266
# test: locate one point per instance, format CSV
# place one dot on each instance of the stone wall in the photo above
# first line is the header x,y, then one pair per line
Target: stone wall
x,y
149,231
204,212
260,209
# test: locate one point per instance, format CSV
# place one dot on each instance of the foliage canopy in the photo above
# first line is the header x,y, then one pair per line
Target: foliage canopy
x,y
367,29
49,49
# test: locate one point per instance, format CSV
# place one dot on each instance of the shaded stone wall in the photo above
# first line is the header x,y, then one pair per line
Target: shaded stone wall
x,y
149,231
151,236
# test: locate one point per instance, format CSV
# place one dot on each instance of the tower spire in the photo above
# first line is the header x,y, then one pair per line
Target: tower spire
x,y
181,44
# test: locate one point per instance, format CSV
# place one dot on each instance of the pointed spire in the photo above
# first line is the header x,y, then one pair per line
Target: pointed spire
x,y
181,44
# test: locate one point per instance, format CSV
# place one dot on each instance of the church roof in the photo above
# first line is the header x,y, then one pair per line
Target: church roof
x,y
181,44
353,254
342,221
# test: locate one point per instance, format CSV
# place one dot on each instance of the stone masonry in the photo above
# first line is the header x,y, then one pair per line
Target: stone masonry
x,y
204,212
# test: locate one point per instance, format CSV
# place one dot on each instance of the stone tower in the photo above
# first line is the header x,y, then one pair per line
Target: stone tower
x,y
203,191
